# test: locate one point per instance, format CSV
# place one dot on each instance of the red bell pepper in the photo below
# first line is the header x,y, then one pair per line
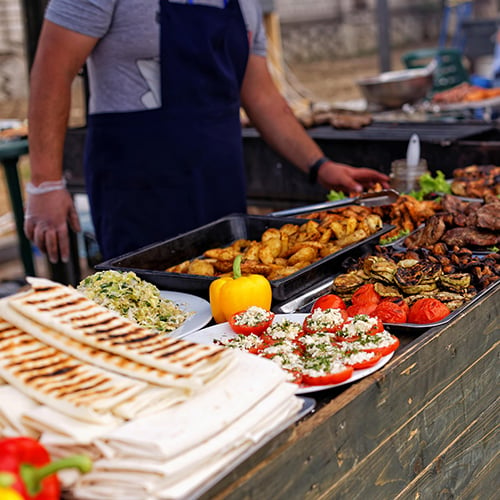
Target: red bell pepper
x,y
25,468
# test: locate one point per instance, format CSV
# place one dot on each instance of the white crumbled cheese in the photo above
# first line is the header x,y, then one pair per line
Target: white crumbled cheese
x,y
323,319
355,357
253,316
284,329
316,338
313,354
244,342
382,339
334,367
358,325
285,348
288,361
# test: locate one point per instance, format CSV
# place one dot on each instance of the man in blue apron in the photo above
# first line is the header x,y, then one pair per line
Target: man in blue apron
x,y
164,150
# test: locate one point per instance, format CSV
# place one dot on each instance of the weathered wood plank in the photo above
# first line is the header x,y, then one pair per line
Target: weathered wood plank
x,y
337,438
468,468
425,439
488,475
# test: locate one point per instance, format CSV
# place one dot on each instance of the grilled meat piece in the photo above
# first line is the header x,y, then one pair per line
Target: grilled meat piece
x,y
469,236
456,205
349,120
488,216
429,235
476,181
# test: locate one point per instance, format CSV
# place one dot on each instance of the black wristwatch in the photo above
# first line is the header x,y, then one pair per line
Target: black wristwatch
x,y
314,168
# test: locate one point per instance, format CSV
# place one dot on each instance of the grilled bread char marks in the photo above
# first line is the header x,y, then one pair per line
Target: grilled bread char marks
x,y
98,357
69,312
59,380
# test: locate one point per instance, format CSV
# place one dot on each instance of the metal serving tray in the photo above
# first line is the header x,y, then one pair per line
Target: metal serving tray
x,y
415,329
303,303
149,262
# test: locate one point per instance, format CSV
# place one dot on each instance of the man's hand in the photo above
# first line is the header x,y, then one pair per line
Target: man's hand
x,y
46,223
350,179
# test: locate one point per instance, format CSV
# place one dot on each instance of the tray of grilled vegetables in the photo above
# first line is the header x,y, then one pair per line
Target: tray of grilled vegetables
x,y
409,290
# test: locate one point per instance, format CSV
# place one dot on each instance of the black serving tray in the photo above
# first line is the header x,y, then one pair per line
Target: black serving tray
x,y
149,262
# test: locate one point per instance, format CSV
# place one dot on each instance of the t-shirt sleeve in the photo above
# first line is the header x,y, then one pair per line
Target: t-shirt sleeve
x,y
259,45
88,17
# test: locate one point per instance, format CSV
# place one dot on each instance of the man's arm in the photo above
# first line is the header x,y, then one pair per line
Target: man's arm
x,y
60,55
275,121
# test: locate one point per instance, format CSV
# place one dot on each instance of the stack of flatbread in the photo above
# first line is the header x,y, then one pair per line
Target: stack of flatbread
x,y
160,416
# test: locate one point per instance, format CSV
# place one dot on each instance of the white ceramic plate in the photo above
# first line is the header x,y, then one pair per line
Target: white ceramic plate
x,y
357,375
224,331
190,303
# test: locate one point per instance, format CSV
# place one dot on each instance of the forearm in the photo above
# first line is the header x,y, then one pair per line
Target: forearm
x,y
278,126
48,113
60,55
273,118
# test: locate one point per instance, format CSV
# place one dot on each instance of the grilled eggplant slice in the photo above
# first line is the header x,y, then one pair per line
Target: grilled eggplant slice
x,y
387,290
347,283
457,282
383,270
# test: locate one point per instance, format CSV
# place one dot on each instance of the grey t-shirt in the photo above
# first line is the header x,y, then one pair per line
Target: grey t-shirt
x,y
124,72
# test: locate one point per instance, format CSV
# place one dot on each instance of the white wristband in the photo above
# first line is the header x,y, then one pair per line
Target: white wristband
x,y
46,187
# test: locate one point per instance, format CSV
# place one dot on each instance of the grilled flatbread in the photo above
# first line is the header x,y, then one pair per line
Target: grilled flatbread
x,y
251,381
59,380
103,359
56,427
69,312
151,400
13,404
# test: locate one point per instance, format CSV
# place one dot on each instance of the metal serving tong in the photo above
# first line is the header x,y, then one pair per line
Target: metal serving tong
x,y
379,198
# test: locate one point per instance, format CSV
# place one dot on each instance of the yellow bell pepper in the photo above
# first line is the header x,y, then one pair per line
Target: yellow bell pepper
x,y
6,492
229,295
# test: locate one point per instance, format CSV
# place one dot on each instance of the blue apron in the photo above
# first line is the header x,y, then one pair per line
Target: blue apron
x,y
154,174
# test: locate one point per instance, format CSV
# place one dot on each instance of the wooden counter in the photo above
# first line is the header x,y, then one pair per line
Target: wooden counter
x,y
424,426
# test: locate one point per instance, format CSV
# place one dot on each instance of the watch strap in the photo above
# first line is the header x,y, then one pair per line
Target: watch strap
x,y
314,169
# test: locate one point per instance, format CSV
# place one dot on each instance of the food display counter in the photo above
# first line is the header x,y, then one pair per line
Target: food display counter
x,y
420,422
423,426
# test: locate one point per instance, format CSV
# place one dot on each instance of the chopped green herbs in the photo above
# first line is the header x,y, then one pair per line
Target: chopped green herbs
x,y
133,298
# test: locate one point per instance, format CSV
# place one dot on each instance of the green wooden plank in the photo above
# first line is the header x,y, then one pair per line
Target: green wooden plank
x,y
430,439
468,468
488,476
392,465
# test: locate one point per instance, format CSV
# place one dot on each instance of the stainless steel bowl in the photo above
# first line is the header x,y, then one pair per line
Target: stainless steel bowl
x,y
392,89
